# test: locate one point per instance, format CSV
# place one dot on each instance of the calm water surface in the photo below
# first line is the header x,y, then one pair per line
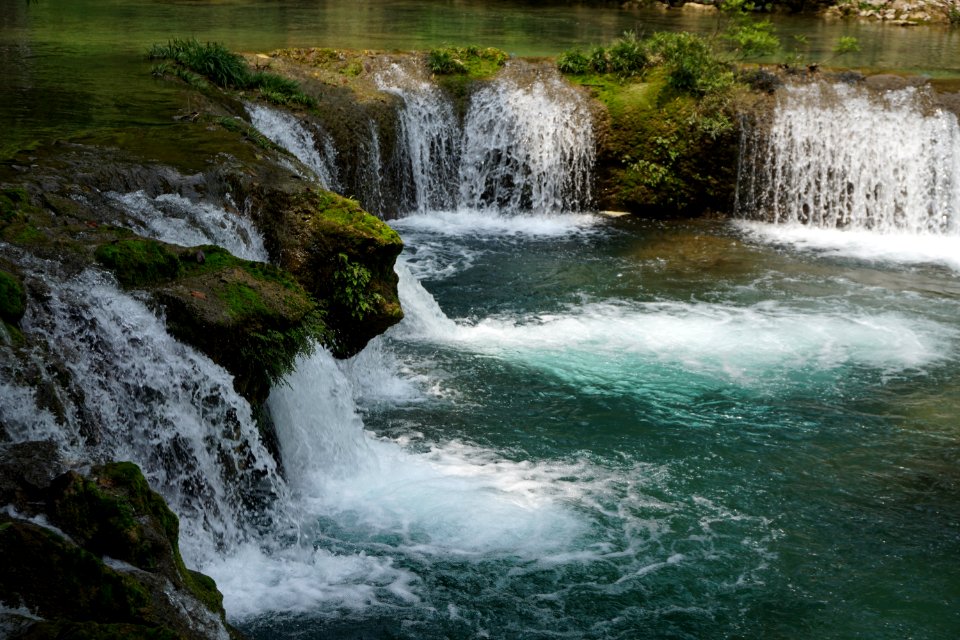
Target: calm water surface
x,y
77,65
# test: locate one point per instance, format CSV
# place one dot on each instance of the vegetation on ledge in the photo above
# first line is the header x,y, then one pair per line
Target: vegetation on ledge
x,y
196,63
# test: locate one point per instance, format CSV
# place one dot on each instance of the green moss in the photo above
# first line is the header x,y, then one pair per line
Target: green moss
x,y
12,200
24,234
345,212
115,512
138,262
60,580
13,297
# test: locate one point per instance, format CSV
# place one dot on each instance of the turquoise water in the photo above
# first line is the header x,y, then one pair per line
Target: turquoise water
x,y
594,428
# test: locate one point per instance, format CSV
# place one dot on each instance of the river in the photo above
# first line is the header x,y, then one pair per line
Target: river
x,y
586,426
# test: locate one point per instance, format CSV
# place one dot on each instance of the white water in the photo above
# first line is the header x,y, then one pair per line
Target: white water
x,y
882,168
172,218
430,134
140,395
527,146
315,148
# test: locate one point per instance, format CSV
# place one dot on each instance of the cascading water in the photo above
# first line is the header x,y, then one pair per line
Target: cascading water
x,y
526,143
431,138
839,156
527,146
177,220
137,394
316,151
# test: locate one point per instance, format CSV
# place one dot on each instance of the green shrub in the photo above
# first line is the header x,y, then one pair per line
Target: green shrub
x,y
599,59
444,62
690,63
472,60
627,55
573,62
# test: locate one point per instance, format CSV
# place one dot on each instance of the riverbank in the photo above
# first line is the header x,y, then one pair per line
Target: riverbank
x,y
906,13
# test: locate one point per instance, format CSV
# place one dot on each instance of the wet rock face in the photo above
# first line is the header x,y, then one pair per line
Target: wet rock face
x,y
94,555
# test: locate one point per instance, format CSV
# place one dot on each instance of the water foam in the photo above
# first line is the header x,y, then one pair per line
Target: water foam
x,y
172,218
897,248
610,345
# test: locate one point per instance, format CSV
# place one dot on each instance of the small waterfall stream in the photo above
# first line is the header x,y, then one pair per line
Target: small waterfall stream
x,y
842,157
135,393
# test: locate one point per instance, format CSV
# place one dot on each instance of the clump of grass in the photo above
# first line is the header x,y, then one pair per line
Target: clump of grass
x,y
573,62
687,61
192,61
473,61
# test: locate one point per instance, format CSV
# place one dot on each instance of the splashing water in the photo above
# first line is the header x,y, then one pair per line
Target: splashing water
x,y
528,146
430,135
838,156
847,171
140,395
314,149
178,220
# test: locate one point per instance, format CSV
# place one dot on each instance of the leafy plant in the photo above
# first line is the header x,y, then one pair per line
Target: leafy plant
x,y
444,62
690,63
352,282
573,62
476,61
627,55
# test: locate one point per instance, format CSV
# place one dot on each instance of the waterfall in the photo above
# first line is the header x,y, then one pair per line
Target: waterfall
x,y
134,393
430,136
317,152
174,219
528,145
841,157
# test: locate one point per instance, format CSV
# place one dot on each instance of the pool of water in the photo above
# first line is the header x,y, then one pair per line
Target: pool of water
x,y
614,429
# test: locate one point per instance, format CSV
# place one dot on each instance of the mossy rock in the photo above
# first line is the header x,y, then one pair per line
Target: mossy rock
x,y
661,152
114,512
137,262
57,579
63,629
344,257
12,201
252,318
13,297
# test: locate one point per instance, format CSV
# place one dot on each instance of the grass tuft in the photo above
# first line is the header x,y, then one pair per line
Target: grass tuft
x,y
193,61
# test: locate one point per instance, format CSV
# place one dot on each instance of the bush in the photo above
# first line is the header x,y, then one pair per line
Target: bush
x,y
627,55
573,62
475,61
691,66
444,62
